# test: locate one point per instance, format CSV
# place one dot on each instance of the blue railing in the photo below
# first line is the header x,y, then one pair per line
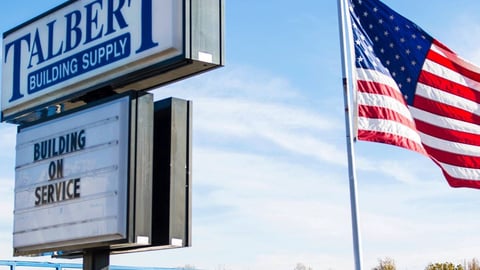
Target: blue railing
x,y
61,266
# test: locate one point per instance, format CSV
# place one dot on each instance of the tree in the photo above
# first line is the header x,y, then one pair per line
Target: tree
x,y
301,266
473,264
385,264
444,266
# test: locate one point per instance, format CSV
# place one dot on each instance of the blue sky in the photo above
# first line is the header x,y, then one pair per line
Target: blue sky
x,y
269,159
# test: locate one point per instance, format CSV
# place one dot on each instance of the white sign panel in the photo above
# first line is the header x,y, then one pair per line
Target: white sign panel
x,y
84,44
71,178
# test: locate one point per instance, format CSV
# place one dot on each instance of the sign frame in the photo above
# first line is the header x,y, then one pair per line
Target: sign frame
x,y
202,42
138,179
172,177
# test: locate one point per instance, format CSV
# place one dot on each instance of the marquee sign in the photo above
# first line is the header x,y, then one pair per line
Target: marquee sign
x,y
85,45
73,176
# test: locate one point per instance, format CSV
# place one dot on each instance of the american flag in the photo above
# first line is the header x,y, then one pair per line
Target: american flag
x,y
414,92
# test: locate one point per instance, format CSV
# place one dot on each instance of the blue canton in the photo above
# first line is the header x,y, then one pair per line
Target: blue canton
x,y
387,42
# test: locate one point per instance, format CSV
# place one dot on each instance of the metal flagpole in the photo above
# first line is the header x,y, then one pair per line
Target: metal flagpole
x,y
343,17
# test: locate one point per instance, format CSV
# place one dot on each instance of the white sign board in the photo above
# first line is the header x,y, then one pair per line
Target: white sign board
x,y
84,44
71,178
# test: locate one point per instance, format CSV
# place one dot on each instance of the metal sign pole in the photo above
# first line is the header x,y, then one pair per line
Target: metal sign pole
x,y
96,260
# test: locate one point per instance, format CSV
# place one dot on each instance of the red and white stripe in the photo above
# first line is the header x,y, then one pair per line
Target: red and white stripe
x,y
443,122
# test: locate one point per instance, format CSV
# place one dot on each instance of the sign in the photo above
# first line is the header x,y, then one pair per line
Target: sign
x,y
86,45
168,199
72,179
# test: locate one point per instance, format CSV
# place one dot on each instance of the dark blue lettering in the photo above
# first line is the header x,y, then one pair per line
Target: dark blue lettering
x,y
147,26
36,50
92,20
17,54
73,29
51,30
117,14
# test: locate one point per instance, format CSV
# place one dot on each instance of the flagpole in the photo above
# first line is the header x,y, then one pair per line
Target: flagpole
x,y
343,18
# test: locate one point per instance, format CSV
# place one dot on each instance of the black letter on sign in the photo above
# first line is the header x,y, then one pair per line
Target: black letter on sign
x,y
38,195
55,169
36,152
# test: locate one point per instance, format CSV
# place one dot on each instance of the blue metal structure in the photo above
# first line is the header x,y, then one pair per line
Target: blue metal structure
x,y
62,266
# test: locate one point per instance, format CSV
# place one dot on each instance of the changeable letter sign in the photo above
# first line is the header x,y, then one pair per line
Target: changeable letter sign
x,y
75,178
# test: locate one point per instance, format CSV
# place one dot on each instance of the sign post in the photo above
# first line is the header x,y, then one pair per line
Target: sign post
x,y
96,260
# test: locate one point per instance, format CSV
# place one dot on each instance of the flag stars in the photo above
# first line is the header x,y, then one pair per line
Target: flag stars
x,y
387,43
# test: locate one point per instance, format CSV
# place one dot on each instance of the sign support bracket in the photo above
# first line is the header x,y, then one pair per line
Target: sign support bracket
x,y
96,260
